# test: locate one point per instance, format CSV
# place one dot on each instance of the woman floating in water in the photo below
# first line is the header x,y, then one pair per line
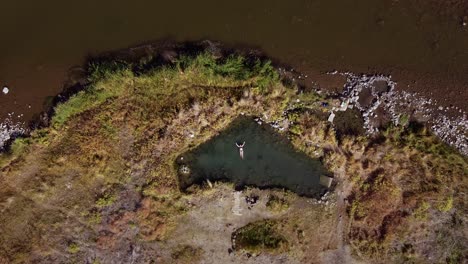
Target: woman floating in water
x,y
241,149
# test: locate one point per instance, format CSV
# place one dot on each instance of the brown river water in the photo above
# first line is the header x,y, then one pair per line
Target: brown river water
x,y
422,44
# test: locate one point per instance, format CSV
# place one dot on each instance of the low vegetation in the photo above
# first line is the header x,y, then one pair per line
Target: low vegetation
x,y
276,203
260,236
186,254
406,186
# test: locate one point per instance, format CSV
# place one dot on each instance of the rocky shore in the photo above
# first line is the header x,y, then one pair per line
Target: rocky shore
x,y
379,103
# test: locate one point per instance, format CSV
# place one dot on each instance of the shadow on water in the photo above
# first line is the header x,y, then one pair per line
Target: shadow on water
x,y
270,161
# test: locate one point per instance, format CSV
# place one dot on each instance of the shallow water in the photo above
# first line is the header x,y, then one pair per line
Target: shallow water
x,y
269,160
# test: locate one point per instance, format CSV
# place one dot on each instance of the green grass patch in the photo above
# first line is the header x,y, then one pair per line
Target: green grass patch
x,y
73,248
403,120
99,70
276,203
420,213
296,130
106,200
234,66
446,205
110,79
260,236
19,146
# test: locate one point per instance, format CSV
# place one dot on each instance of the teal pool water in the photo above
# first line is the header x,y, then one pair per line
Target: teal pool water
x,y
269,161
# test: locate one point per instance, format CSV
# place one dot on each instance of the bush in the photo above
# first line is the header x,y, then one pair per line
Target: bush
x,y
106,200
446,205
276,203
258,236
99,70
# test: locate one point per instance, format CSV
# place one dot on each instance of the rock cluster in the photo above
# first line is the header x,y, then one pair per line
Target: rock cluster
x,y
9,130
353,89
451,129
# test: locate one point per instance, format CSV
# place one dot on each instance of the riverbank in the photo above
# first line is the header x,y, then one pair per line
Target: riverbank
x,y
447,122
99,181
420,43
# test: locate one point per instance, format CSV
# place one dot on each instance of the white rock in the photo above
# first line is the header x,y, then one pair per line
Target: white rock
x,y
5,90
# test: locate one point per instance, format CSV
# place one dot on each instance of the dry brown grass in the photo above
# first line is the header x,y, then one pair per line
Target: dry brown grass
x,y
399,189
102,177
403,182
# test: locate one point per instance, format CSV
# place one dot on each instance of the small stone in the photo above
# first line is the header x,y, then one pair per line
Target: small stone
x,y
5,90
331,117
